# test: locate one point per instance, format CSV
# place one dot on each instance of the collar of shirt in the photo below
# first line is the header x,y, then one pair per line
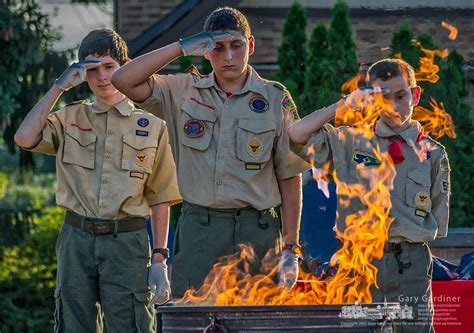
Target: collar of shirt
x,y
124,107
410,135
254,83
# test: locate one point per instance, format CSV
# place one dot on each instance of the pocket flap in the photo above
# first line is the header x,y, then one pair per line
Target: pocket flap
x,y
84,138
420,177
140,142
197,112
257,126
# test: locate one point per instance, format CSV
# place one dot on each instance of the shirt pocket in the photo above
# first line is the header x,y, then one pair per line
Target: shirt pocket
x,y
255,138
138,153
418,189
196,126
79,147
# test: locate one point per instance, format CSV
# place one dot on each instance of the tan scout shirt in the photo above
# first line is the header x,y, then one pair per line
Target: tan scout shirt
x,y
420,194
230,151
110,162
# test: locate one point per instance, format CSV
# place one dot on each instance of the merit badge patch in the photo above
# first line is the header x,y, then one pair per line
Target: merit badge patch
x,y
141,133
445,188
365,159
194,128
258,104
444,165
137,174
143,122
253,166
141,158
420,212
288,105
422,200
254,147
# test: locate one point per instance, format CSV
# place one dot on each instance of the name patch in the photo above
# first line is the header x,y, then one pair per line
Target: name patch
x,y
141,133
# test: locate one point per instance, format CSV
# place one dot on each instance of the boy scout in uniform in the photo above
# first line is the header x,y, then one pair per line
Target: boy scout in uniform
x,y
113,164
420,193
228,132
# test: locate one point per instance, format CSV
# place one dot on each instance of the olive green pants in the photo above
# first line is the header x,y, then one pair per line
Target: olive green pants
x,y
102,276
405,277
203,235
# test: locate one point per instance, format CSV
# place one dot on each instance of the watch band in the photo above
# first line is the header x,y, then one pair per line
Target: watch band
x,y
163,251
293,248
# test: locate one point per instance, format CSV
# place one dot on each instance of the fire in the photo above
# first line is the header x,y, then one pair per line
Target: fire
x,y
436,122
428,70
453,32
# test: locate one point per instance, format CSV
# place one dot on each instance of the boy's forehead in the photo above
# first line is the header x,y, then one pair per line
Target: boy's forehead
x,y
103,59
236,35
394,84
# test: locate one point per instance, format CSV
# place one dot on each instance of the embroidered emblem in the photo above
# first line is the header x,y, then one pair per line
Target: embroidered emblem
x,y
194,128
254,147
422,200
420,212
258,104
141,133
445,188
82,128
137,174
143,122
253,166
288,105
365,159
444,165
141,158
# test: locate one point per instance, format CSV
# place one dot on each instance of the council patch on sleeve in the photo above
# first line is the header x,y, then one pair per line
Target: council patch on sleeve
x,y
289,106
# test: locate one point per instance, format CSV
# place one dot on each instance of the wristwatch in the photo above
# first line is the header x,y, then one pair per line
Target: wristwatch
x,y
293,248
165,252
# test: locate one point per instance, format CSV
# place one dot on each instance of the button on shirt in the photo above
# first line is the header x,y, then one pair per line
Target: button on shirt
x,y
229,150
420,194
111,162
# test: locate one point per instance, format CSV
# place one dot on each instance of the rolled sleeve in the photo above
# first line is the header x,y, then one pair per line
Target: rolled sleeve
x,y
162,185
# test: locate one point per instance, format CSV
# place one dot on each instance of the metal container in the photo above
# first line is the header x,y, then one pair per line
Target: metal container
x,y
383,317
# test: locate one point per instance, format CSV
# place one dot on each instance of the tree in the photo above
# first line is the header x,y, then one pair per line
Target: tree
x,y
292,52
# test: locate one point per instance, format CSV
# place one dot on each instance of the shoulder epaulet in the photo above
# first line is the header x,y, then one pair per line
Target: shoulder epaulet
x,y
81,101
430,139
193,71
278,85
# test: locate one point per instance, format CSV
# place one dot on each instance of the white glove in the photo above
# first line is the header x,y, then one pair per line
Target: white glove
x,y
159,283
288,268
75,74
202,43
359,98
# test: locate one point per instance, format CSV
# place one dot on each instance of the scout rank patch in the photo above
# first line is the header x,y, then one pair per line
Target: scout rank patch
x,y
422,200
365,159
143,122
137,174
288,105
254,147
444,165
194,128
258,104
141,158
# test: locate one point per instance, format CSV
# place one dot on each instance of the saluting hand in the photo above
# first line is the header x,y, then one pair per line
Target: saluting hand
x,y
359,98
75,74
203,42
159,283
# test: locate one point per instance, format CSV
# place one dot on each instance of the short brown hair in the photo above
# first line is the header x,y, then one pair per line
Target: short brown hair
x,y
227,18
103,42
387,69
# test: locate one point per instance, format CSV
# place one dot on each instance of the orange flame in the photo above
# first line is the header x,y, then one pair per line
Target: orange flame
x,y
428,70
453,32
436,122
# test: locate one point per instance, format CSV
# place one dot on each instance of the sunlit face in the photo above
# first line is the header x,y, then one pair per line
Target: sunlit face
x,y
399,103
229,59
99,77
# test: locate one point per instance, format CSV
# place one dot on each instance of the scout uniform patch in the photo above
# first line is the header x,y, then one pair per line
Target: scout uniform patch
x,y
288,105
422,200
143,122
136,174
420,212
141,133
194,128
444,165
365,159
253,166
258,104
141,158
254,147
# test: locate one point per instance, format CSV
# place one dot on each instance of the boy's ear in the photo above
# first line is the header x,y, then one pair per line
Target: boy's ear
x,y
416,95
251,45
206,56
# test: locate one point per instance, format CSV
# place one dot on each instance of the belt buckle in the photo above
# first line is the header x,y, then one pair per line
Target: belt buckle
x,y
102,228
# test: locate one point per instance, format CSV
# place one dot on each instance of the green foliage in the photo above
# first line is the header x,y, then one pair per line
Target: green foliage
x,y
292,53
451,90
206,67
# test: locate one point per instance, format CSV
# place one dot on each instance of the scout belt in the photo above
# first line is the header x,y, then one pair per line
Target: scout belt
x,y
97,226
